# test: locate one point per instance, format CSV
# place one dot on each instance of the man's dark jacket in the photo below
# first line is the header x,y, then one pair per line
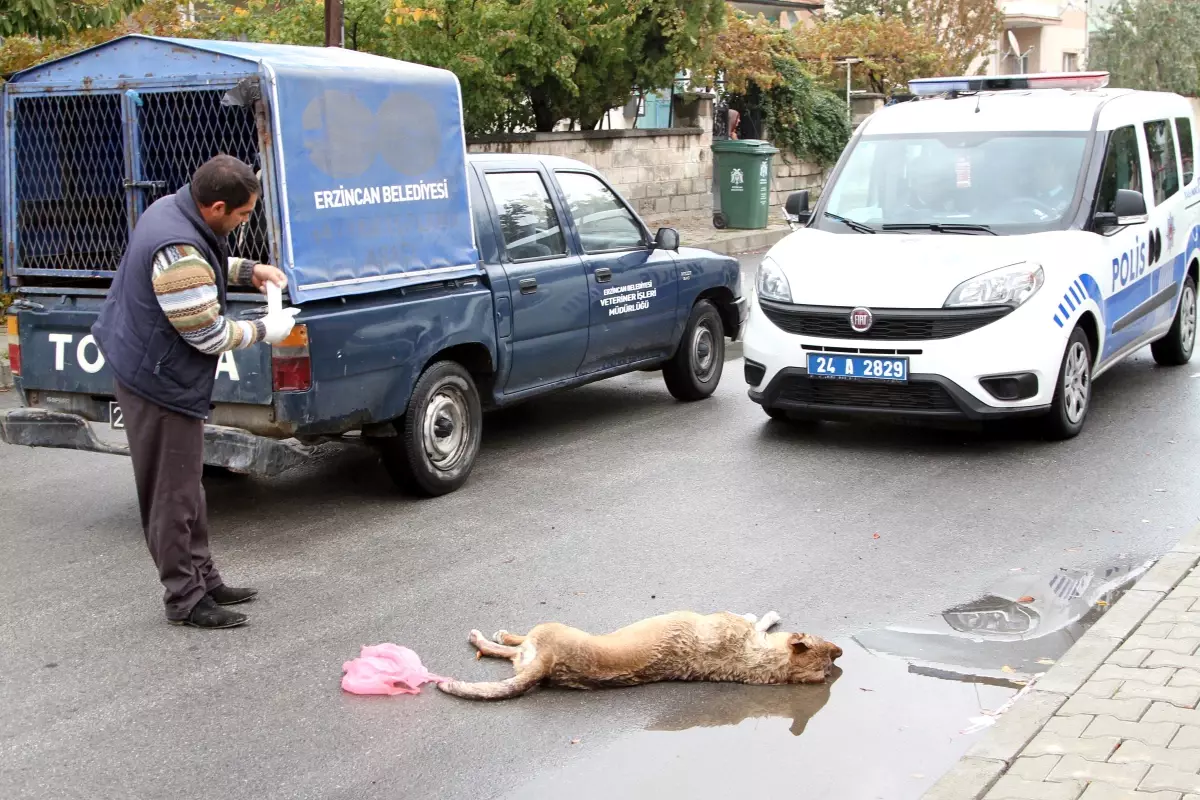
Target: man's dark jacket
x,y
146,353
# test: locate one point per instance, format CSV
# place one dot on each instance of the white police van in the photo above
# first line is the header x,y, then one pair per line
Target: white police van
x,y
984,250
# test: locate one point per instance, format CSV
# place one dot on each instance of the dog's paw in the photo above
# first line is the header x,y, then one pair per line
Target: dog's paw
x,y
475,638
769,620
498,636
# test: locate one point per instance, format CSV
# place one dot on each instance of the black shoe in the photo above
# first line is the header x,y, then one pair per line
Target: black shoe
x,y
225,596
207,614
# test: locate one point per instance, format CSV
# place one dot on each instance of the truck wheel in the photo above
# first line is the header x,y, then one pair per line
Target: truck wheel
x,y
695,370
439,437
1175,349
1073,393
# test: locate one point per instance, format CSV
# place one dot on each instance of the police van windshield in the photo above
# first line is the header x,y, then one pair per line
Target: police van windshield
x,y
1003,183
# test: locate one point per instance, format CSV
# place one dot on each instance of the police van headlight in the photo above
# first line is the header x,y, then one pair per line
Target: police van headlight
x,y
1007,286
772,283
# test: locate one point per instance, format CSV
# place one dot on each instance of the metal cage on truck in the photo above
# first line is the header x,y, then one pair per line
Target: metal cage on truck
x,y
362,158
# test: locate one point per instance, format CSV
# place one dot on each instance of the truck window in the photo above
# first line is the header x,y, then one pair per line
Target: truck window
x,y
1187,151
1164,170
603,221
1122,167
527,219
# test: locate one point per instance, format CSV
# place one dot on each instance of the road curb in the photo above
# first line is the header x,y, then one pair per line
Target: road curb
x,y
743,244
974,775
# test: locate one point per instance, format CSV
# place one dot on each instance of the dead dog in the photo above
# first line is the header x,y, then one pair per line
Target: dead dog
x,y
680,646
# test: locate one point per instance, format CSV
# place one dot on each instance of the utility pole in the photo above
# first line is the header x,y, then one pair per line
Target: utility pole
x,y
335,24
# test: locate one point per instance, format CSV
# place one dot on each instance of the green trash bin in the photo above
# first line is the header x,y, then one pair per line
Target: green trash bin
x,y
742,183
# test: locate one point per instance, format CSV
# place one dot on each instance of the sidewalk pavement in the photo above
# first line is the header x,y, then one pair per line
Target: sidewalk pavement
x,y
697,231
1116,717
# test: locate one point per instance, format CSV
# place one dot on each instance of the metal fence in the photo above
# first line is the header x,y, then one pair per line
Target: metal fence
x,y
71,199
70,202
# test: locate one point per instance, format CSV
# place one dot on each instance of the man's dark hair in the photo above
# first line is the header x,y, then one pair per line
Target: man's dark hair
x,y
224,179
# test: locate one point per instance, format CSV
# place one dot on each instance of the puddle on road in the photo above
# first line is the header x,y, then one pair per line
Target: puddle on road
x,y
1021,623
885,728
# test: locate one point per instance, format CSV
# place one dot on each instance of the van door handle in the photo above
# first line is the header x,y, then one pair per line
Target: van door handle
x,y
528,285
603,275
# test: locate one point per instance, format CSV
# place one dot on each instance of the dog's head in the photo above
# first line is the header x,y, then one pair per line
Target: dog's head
x,y
810,658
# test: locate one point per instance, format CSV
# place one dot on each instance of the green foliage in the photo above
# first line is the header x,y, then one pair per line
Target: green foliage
x,y
60,17
762,70
799,116
963,30
522,63
1151,45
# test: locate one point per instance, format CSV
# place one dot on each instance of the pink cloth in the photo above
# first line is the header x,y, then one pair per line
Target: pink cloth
x,y
386,669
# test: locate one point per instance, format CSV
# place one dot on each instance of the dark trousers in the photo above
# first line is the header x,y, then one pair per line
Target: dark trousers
x,y
167,450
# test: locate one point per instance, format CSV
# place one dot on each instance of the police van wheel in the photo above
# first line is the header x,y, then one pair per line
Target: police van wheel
x,y
1073,392
695,370
439,436
777,414
1175,349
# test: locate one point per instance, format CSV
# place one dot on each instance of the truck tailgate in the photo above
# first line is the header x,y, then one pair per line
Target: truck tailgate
x,y
59,355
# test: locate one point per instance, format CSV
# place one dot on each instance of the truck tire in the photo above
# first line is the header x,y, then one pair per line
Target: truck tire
x,y
695,370
1073,392
439,436
1175,349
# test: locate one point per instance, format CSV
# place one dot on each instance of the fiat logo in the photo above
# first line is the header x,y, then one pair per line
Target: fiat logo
x,y
861,320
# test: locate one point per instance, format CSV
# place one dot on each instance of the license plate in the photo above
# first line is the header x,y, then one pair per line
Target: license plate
x,y
116,419
858,367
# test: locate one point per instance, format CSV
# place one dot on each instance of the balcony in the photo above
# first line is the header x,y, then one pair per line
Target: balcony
x,y
1031,14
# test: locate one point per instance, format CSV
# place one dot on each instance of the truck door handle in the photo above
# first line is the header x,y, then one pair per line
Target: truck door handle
x,y
528,285
603,275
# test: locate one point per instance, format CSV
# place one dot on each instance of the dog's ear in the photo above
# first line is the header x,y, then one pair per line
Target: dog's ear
x,y
797,642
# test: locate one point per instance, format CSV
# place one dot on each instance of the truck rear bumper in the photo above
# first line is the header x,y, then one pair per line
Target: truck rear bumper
x,y
231,448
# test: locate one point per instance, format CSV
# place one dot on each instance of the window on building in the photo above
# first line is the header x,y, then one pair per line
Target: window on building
x,y
1122,167
1070,62
1164,169
527,219
1187,151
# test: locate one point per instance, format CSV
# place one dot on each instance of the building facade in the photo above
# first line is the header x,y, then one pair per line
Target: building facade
x,y
1049,36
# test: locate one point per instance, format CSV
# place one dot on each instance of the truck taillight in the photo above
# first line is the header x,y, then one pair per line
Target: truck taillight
x,y
14,345
291,368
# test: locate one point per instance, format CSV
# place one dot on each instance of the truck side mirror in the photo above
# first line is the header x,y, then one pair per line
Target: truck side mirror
x,y
1128,208
795,208
666,239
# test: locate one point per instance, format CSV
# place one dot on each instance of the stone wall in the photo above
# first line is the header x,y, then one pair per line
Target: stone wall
x,y
665,171
661,172
791,175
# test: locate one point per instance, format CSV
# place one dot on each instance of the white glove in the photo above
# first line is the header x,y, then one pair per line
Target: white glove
x,y
279,324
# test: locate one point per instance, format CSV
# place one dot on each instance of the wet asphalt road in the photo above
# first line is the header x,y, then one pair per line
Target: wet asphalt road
x,y
596,508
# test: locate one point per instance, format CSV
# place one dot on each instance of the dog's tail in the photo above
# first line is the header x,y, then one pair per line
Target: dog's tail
x,y
518,684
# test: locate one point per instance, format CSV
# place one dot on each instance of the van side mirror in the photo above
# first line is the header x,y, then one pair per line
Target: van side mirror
x,y
666,239
1129,208
796,209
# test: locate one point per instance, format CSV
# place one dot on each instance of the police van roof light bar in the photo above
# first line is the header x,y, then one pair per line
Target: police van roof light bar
x,y
924,87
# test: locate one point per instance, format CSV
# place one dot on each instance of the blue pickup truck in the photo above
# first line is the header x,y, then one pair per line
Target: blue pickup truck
x,y
432,285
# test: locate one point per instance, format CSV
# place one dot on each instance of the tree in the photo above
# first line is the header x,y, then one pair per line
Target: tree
x,y
965,30
761,69
892,52
521,62
1150,45
58,18
154,17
